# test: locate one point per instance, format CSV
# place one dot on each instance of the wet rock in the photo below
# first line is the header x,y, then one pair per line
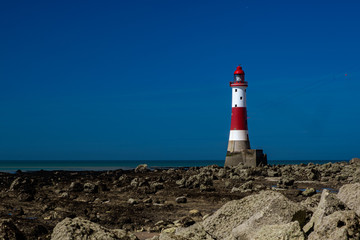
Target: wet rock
x,y
195,213
206,188
26,197
328,204
76,187
142,168
350,195
25,188
147,200
241,218
8,231
39,230
309,192
285,182
291,231
90,188
186,221
181,199
78,228
340,225
157,186
132,201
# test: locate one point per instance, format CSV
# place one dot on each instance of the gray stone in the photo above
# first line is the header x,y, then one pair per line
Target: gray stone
x,y
309,192
90,188
194,232
78,228
288,231
350,195
181,199
142,168
355,161
328,204
8,231
239,219
132,201
340,225
76,187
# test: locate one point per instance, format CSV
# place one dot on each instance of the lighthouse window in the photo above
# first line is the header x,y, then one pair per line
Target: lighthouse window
x,y
235,105
240,98
235,90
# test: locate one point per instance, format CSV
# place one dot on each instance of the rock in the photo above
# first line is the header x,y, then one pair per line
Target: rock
x,y
350,195
312,202
355,161
272,173
328,204
195,213
132,201
157,186
289,231
239,219
142,168
64,195
78,228
39,230
25,188
8,231
186,221
90,188
206,188
309,192
181,199
76,187
194,232
285,182
147,200
340,225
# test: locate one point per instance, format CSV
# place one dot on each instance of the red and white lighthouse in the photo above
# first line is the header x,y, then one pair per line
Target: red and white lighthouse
x,y
238,151
239,137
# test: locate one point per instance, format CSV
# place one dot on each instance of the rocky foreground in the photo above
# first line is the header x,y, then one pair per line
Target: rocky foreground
x,y
271,202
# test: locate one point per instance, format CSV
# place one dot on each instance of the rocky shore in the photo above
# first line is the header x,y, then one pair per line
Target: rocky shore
x,y
271,202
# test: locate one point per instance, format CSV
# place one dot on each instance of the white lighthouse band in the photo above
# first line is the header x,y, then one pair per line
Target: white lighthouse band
x,y
238,96
238,135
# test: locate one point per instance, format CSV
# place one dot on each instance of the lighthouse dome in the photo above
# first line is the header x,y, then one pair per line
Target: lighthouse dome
x,y
239,70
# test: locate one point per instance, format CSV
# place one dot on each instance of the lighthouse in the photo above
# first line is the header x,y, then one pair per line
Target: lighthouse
x,y
239,151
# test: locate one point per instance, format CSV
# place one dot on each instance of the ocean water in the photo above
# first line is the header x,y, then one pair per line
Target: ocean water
x,y
98,165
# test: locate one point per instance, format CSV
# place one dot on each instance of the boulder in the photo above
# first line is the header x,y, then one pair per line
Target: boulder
x,y
309,192
90,188
181,199
194,232
328,204
340,225
8,231
355,161
239,219
350,195
78,228
289,231
76,187
142,168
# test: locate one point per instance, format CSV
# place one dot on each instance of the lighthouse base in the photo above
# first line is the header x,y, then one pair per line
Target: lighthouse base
x,y
247,157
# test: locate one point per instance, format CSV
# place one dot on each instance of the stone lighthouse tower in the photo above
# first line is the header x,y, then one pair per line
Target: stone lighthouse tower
x,y
239,144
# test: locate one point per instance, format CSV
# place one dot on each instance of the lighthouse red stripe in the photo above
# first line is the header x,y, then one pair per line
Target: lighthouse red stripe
x,y
238,119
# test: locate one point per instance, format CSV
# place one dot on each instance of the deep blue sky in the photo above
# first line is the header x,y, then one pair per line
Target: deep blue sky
x,y
150,79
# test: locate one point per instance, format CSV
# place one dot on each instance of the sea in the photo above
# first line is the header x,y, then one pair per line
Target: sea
x,y
12,166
